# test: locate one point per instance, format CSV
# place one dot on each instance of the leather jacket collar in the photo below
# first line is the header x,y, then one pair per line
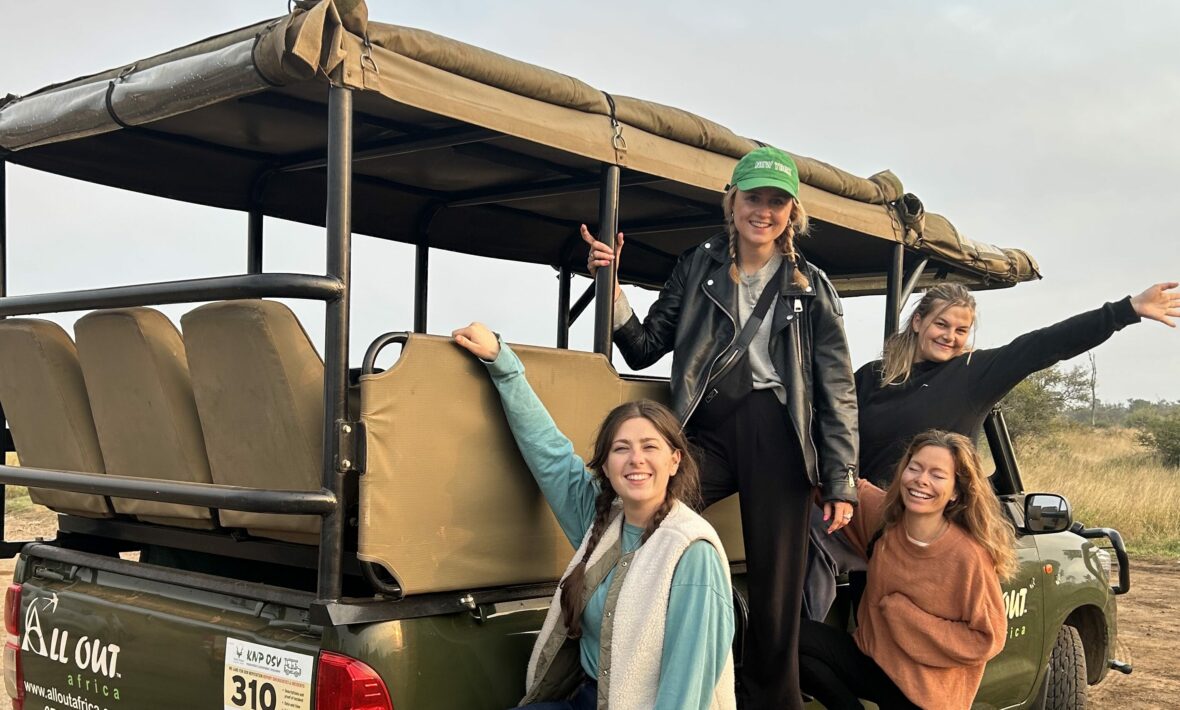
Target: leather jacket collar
x,y
694,317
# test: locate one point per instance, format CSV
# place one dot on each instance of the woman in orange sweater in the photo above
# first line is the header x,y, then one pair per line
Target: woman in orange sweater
x,y
932,613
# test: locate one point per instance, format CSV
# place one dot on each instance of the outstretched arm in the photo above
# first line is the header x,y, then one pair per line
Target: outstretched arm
x,y
995,371
998,370
549,454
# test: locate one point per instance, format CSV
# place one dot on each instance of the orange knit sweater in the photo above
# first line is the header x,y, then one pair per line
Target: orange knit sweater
x,y
931,617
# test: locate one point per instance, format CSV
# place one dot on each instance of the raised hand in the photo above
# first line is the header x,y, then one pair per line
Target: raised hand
x,y
600,254
1157,303
478,340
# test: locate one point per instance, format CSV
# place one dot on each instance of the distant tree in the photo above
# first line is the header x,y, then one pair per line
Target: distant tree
x,y
1121,414
1093,388
1038,405
1161,433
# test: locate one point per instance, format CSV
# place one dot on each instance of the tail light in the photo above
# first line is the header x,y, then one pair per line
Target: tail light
x,y
13,676
344,683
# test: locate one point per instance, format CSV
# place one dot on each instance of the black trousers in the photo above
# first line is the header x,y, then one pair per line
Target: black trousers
x,y
835,672
755,453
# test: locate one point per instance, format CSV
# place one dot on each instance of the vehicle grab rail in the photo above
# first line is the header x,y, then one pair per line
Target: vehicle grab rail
x,y
210,495
1120,552
322,288
400,337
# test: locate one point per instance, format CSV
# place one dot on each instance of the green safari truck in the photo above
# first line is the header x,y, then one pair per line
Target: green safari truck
x,y
250,519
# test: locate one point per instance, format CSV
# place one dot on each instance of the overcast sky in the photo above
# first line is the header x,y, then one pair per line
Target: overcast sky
x,y
1051,126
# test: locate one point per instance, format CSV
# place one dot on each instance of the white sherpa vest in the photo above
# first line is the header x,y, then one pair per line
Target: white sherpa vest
x,y
639,616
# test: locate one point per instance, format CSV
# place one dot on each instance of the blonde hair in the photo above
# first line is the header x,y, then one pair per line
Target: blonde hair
x,y
798,226
974,508
897,358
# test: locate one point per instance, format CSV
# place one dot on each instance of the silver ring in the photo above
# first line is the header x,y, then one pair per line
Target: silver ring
x,y
848,517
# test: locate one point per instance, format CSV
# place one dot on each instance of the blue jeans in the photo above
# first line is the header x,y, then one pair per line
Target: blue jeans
x,y
584,698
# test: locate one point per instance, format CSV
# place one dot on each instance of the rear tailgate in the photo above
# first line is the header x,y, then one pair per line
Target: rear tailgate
x,y
98,633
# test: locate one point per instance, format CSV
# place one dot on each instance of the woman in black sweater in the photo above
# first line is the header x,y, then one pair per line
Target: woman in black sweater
x,y
928,378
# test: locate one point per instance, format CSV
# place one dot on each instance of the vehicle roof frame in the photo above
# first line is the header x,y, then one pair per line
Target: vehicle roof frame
x,y
341,153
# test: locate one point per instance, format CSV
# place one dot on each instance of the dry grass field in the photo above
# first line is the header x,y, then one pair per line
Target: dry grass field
x,y
1110,481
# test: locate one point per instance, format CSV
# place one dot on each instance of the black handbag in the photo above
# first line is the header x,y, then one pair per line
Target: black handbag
x,y
733,379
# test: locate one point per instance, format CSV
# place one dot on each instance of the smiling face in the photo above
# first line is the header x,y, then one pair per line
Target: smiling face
x,y
761,215
640,464
928,481
943,333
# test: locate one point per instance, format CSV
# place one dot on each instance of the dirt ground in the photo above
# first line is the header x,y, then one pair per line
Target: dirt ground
x,y
1149,625
1149,639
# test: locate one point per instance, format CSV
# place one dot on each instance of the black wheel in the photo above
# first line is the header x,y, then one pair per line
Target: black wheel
x,y
1065,683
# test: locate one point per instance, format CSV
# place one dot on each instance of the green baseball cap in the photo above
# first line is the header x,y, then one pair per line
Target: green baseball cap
x,y
766,167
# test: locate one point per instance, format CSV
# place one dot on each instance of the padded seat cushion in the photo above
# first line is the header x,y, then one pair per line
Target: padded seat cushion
x,y
45,401
142,399
258,384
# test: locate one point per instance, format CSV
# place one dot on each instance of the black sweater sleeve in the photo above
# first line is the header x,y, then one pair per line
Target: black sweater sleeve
x,y
993,372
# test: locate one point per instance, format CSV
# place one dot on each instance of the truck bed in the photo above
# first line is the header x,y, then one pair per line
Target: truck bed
x,y
99,633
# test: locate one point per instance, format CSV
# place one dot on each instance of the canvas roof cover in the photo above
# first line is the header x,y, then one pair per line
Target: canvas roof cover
x,y
455,147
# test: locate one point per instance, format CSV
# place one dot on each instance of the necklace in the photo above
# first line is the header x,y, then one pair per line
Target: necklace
x,y
755,282
749,281
923,543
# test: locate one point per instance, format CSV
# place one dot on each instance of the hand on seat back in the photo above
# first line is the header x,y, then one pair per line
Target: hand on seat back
x,y
478,340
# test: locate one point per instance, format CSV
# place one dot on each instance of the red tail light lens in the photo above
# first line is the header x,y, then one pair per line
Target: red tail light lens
x,y
344,683
13,675
12,609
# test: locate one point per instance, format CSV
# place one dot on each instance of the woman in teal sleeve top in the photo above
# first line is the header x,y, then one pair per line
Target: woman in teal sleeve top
x,y
646,606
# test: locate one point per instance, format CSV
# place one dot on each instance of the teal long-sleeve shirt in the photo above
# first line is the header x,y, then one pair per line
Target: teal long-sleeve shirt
x,y
699,630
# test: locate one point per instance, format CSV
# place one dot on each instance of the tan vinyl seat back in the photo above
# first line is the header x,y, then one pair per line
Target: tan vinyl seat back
x,y
44,398
258,383
446,501
142,399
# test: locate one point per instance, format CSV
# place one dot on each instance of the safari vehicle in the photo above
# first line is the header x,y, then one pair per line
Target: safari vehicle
x,y
245,525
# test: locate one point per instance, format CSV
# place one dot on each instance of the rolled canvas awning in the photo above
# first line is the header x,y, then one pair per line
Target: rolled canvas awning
x,y
457,147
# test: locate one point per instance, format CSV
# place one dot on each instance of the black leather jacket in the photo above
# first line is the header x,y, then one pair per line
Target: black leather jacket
x,y
694,319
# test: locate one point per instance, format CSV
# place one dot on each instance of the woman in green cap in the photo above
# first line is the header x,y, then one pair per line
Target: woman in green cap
x,y
764,387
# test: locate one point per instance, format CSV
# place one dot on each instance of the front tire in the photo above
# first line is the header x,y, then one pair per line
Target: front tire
x,y
1066,678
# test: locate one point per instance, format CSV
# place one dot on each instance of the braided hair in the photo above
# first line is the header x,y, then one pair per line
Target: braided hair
x,y
797,226
683,487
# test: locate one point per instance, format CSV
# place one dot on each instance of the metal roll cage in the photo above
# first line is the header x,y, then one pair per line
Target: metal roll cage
x,y
333,288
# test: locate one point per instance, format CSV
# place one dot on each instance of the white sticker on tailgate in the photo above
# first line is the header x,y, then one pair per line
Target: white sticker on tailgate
x,y
265,678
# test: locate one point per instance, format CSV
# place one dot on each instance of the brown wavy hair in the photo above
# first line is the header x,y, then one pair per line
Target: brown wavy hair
x,y
975,507
797,227
897,359
685,487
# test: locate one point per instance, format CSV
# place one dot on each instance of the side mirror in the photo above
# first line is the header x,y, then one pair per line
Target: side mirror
x,y
1046,513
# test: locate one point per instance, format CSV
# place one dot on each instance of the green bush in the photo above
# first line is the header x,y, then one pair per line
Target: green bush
x,y
1036,406
1160,433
